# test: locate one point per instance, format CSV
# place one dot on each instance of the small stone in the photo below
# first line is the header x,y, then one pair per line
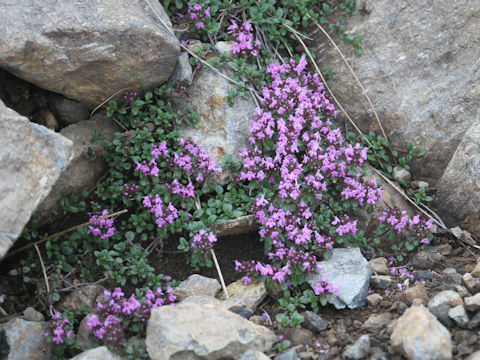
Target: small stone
x,y
243,300
416,292
378,354
46,118
67,111
419,335
254,355
399,306
299,336
380,281
183,70
359,350
449,271
441,312
401,174
82,297
423,274
459,315
99,353
443,249
357,324
472,303
474,356
476,271
201,300
426,259
374,299
31,314
306,355
288,355
224,47
472,284
463,236
379,266
447,297
462,291
259,320
474,323
454,278
197,285
314,322
377,322
84,339
419,183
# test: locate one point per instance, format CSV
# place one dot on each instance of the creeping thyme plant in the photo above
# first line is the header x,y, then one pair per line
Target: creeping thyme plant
x,y
300,176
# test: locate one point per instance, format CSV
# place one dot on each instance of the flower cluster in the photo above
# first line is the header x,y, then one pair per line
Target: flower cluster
x,y
245,44
103,228
197,15
62,331
108,323
130,95
296,152
164,214
203,241
399,220
130,189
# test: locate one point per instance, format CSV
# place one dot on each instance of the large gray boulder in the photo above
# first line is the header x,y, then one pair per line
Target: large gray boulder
x,y
420,68
32,158
86,50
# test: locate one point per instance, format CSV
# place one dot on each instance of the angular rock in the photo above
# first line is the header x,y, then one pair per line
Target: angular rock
x,y
314,322
472,303
21,340
33,158
441,312
175,332
299,336
359,349
254,355
66,111
416,292
197,285
474,323
380,281
85,339
474,356
462,291
87,50
379,266
243,300
377,321
183,70
374,299
82,297
472,284
241,225
459,315
82,174
476,271
401,174
447,297
288,355
425,259
223,129
349,269
418,335
401,58
201,300
99,353
31,314
463,235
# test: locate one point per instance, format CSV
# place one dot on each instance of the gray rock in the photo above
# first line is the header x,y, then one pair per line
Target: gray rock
x,y
314,322
401,174
254,355
349,269
417,292
299,336
425,259
441,312
418,335
84,340
46,118
380,281
416,184
183,70
472,284
66,111
241,225
449,271
462,291
379,266
359,350
175,332
82,173
376,322
243,300
21,340
407,47
87,50
474,323
197,285
459,315
472,303
223,129
374,299
447,297
33,158
31,314
99,353
288,355
474,356
201,300
463,235
82,297
476,271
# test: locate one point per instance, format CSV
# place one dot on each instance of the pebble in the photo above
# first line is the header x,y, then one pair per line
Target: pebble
x,y
418,291
423,274
474,323
306,355
197,285
31,314
288,355
472,284
379,266
399,306
359,350
448,297
441,312
314,322
357,324
462,291
426,259
472,303
299,336
401,174
377,321
476,271
459,315
374,299
380,281
474,356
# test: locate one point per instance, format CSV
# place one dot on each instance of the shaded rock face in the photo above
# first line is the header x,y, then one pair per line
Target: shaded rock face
x,y
420,68
86,50
223,129
32,158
